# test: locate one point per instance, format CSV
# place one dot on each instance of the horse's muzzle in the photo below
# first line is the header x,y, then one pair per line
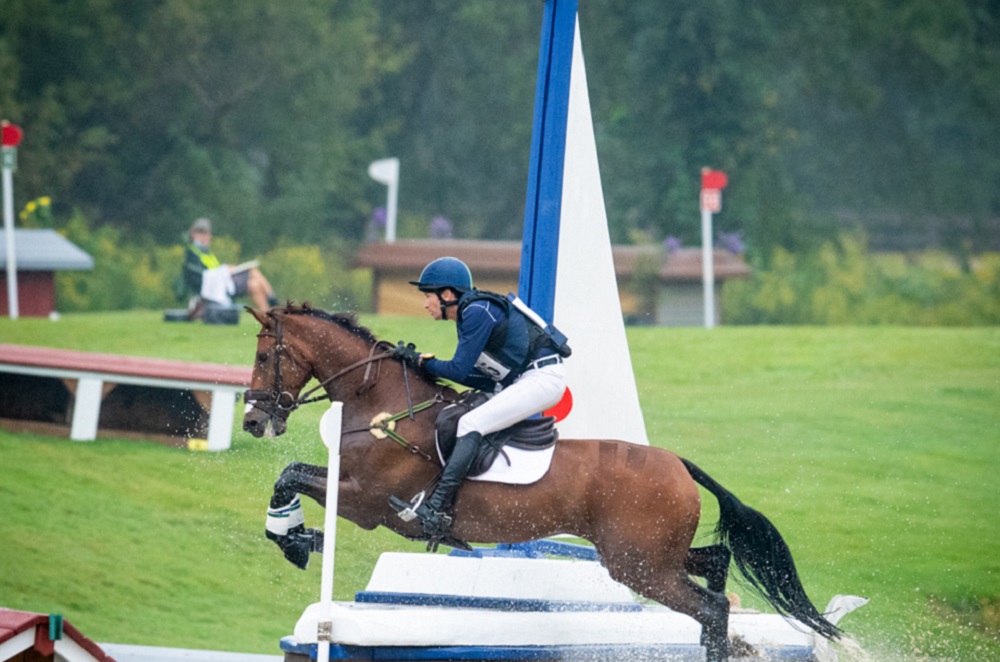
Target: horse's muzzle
x,y
256,421
268,407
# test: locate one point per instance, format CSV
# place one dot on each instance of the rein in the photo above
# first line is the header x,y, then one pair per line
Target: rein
x,y
384,426
279,403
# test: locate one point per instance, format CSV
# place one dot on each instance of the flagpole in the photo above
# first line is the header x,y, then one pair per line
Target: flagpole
x,y
707,268
543,203
8,224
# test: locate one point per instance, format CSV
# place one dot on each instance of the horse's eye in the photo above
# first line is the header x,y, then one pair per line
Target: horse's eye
x,y
261,357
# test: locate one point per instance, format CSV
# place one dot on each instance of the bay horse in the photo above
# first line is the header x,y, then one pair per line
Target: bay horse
x,y
638,505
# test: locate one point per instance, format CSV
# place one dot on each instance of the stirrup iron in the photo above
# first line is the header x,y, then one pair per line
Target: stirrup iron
x,y
407,511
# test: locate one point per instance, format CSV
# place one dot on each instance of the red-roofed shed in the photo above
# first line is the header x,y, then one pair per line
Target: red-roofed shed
x,y
30,637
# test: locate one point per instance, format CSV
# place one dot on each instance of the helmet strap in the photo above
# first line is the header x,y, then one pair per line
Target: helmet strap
x,y
445,305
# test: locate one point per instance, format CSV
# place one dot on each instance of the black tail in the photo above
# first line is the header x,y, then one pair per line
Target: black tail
x,y
762,556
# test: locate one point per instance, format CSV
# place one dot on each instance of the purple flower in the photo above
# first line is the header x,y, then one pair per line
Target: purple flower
x,y
672,244
440,228
379,217
732,242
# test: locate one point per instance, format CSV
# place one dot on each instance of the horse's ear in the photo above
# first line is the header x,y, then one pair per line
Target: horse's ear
x,y
257,315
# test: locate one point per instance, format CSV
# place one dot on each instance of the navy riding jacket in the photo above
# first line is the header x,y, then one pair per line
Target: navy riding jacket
x,y
479,318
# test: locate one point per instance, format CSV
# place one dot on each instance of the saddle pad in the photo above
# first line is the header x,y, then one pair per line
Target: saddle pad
x,y
526,467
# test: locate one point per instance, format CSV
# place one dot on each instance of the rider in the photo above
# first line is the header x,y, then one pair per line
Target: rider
x,y
500,352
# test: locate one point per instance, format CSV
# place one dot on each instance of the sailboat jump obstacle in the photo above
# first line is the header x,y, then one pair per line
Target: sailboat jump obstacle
x,y
517,602
514,602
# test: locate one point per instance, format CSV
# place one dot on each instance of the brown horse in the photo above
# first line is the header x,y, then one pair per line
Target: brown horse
x,y
638,505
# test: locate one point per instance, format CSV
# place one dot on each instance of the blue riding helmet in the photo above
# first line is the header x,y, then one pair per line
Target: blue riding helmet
x,y
442,273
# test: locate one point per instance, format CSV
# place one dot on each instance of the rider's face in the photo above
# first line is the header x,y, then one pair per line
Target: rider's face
x,y
202,238
432,304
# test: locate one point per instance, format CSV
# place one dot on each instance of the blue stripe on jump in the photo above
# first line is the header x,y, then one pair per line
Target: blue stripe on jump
x,y
502,604
595,653
592,653
535,549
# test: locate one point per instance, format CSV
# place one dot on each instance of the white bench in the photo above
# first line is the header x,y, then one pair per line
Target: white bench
x,y
89,377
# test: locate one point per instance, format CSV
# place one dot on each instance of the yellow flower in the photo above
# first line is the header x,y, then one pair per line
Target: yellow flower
x,y
30,207
45,201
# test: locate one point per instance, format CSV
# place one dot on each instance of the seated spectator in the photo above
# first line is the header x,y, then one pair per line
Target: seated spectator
x,y
205,276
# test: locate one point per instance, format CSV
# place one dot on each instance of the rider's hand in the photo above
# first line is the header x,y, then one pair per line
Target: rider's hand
x,y
407,353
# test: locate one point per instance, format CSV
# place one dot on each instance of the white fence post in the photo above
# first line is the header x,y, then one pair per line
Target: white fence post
x,y
329,430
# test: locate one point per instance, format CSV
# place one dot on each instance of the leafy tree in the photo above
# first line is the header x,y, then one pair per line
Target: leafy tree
x,y
263,115
147,115
462,109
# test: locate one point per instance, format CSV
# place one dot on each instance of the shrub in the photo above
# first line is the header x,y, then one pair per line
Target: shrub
x,y
842,283
141,275
307,273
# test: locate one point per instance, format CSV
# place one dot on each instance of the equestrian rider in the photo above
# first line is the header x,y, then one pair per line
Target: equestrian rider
x,y
500,352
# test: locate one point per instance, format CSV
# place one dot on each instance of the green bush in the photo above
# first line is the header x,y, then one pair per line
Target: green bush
x,y
121,279
308,273
140,275
842,283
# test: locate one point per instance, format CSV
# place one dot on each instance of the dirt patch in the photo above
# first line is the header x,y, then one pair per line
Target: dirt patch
x,y
982,614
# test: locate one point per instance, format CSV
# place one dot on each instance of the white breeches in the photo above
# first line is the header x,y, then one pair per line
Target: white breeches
x,y
530,394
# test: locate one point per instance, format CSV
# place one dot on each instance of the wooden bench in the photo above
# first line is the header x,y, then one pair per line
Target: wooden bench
x,y
68,387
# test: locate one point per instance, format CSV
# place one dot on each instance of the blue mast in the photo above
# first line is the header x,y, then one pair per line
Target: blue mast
x,y
540,241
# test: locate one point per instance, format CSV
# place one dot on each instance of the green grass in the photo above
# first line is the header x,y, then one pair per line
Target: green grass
x,y
874,451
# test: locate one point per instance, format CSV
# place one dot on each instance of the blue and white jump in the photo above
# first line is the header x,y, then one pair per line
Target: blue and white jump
x,y
514,602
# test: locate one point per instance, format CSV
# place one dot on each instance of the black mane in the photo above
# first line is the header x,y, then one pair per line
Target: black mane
x,y
346,321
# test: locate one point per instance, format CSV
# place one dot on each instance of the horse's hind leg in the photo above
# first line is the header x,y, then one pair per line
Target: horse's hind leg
x,y
672,587
712,563
709,608
285,522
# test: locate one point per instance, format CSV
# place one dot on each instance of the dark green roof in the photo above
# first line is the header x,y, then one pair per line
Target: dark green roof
x,y
44,250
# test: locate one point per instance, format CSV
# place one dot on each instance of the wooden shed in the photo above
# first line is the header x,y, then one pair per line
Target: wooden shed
x,y
655,287
30,637
39,254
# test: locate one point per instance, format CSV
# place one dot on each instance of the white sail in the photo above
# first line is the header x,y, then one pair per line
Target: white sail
x,y
587,307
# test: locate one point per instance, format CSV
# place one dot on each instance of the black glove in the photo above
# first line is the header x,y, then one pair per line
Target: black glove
x,y
406,353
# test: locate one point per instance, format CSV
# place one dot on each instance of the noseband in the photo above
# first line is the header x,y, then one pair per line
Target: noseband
x,y
279,403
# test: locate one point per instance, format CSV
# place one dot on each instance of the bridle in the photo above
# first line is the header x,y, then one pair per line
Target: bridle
x,y
279,403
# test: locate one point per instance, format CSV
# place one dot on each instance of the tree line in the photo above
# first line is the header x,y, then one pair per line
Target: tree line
x,y
263,115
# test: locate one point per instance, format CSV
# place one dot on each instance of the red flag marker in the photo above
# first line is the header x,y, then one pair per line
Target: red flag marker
x,y
12,134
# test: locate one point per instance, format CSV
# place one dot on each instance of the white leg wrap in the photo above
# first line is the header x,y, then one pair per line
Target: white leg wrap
x,y
280,520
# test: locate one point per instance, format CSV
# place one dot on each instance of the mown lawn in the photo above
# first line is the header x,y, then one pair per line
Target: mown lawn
x,y
874,450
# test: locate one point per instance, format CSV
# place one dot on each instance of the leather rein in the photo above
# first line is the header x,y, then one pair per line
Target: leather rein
x,y
279,403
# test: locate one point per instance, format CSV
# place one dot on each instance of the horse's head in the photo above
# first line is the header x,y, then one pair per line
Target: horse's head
x,y
296,343
279,373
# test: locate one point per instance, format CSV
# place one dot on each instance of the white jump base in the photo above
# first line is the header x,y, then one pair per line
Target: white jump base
x,y
436,607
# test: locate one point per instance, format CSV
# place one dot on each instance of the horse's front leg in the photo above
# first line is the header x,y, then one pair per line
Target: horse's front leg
x,y
285,521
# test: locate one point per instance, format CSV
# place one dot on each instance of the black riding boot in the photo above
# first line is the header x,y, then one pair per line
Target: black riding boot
x,y
431,510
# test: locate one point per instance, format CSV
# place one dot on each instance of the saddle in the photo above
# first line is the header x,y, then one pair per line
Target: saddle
x,y
530,434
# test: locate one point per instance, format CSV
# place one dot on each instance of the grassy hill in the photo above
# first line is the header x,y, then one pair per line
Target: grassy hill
x,y
874,451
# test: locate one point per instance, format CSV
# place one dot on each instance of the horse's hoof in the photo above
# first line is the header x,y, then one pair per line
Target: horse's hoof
x,y
298,555
297,544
